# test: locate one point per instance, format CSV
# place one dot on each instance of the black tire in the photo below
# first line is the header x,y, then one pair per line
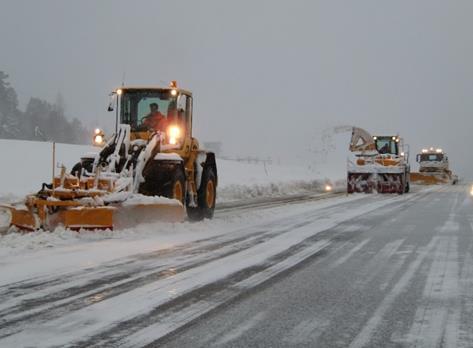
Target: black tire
x,y
177,179
161,179
77,169
206,197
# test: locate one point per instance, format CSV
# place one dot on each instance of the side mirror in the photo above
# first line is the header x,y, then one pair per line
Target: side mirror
x,y
111,104
418,158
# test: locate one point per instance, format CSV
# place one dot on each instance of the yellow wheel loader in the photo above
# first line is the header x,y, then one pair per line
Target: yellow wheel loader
x,y
433,168
144,172
377,163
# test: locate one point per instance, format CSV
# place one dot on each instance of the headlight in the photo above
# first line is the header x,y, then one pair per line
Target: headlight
x,y
98,140
99,137
328,188
174,133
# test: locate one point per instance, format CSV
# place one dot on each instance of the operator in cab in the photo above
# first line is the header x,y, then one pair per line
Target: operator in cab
x,y
155,119
384,149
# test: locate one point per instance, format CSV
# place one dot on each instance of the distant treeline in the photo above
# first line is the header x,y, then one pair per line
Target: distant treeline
x,y
41,121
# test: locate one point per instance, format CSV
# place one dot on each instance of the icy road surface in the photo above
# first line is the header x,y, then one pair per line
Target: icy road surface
x,y
364,270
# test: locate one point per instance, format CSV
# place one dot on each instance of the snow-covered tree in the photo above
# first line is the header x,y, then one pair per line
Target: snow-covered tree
x,y
9,113
40,121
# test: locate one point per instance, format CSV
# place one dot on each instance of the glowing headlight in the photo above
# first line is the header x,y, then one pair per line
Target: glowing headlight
x,y
99,137
173,92
174,133
328,188
119,91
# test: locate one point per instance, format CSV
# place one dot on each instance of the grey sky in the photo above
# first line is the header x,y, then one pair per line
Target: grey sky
x,y
267,76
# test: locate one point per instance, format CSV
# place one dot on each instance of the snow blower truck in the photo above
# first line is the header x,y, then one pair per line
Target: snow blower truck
x,y
141,174
433,168
377,163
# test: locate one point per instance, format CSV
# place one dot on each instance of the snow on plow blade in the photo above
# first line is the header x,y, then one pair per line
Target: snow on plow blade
x,y
73,217
50,214
21,218
130,215
429,179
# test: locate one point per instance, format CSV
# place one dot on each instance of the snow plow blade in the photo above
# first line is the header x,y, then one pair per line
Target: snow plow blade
x,y
48,215
130,215
430,179
66,214
21,218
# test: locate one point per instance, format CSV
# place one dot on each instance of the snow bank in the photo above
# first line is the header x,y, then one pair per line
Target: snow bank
x,y
239,180
27,165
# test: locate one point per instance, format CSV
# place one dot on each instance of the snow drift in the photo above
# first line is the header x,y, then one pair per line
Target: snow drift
x,y
28,164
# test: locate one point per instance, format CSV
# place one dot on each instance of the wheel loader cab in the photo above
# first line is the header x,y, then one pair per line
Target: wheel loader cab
x,y
387,145
170,107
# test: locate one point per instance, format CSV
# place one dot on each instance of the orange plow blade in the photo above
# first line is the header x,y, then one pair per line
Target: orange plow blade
x,y
89,218
130,215
429,179
20,217
68,214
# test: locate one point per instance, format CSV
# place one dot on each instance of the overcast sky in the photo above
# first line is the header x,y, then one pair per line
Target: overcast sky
x,y
267,76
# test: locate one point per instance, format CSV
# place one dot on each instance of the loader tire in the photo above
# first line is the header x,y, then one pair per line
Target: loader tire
x,y
206,196
164,179
176,188
77,169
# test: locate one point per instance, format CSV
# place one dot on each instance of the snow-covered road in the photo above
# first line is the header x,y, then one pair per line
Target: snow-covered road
x,y
136,287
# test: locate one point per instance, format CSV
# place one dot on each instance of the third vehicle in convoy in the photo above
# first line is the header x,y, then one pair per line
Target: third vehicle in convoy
x,y
433,168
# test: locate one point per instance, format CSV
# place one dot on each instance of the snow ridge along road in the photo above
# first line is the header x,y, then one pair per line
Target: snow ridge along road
x,y
136,299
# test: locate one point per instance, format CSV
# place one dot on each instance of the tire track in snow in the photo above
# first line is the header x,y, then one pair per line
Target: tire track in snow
x,y
28,286
437,318
320,214
364,336
350,253
57,304
82,281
